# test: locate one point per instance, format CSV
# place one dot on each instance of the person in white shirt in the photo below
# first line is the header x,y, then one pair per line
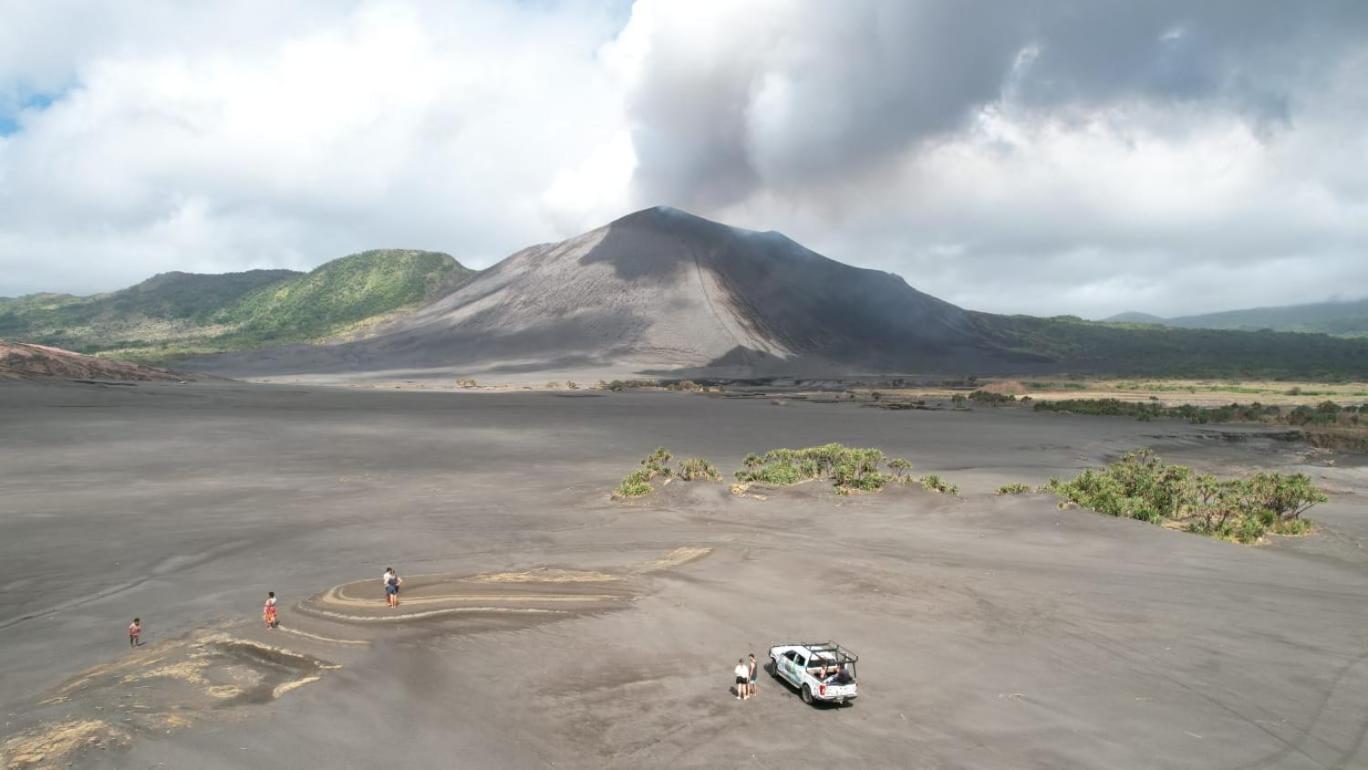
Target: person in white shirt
x,y
392,582
742,678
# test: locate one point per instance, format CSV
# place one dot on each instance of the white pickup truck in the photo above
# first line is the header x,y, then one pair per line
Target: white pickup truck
x,y
820,671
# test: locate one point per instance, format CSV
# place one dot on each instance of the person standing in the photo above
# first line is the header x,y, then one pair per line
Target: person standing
x,y
754,668
392,582
135,632
742,677
268,612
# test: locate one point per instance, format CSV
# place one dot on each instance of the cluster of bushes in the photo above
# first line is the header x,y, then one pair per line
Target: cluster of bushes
x,y
1141,486
1325,413
617,386
991,398
850,469
1017,488
657,465
687,386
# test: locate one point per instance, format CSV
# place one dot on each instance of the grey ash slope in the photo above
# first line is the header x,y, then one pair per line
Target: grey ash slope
x,y
661,290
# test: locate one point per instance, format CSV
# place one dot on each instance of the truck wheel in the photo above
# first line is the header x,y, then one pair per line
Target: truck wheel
x,y
807,695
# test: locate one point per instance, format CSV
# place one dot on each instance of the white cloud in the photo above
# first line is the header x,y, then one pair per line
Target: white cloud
x,y
445,127
1042,157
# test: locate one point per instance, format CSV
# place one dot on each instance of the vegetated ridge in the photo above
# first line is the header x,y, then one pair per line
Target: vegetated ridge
x,y
1345,318
176,314
1087,347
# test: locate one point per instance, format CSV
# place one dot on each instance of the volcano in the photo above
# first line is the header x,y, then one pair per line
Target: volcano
x,y
662,291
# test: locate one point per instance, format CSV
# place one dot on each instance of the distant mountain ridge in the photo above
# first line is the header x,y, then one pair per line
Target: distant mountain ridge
x,y
1344,318
659,292
174,314
665,293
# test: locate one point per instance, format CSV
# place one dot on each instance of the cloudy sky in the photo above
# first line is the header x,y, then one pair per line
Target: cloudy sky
x,y
1029,156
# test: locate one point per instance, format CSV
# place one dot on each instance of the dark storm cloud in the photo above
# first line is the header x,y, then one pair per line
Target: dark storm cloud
x,y
1102,153
799,94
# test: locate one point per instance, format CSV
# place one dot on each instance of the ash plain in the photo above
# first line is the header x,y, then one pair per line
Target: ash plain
x,y
993,631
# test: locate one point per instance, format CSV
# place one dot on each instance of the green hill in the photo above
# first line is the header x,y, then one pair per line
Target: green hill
x,y
165,306
1344,318
342,295
177,314
1347,319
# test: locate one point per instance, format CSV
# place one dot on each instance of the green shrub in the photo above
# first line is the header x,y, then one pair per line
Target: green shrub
x,y
899,466
637,484
934,483
658,463
1014,489
696,468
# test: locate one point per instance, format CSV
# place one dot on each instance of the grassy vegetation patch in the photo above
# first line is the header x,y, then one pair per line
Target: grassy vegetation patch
x,y
1016,488
656,465
617,386
933,483
992,398
1327,425
1141,486
849,469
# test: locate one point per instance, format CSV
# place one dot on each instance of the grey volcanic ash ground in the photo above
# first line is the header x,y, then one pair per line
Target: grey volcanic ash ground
x,y
546,625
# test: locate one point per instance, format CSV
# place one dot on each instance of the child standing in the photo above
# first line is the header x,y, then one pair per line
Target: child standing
x,y
268,612
135,632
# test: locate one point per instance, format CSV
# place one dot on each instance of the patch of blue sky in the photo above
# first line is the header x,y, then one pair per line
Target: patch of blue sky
x,y
11,110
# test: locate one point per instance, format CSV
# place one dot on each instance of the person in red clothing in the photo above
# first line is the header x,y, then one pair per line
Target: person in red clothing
x,y
268,612
135,632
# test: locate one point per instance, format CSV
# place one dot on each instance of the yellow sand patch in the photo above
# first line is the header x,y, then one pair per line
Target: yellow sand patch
x,y
191,671
48,747
675,558
147,658
448,598
174,721
281,689
224,691
545,576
